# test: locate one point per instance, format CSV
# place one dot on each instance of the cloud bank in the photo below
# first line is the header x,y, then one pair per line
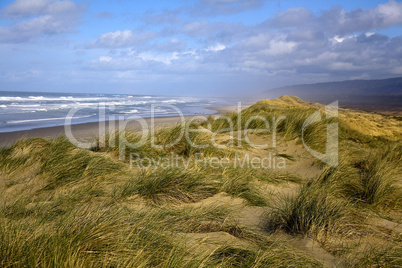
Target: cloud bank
x,y
37,18
196,43
293,42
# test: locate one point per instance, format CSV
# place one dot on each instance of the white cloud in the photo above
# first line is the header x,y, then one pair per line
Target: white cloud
x,y
171,45
216,48
292,17
279,47
105,59
337,39
260,40
390,13
106,63
295,43
215,7
36,18
124,38
27,8
340,22
162,58
307,49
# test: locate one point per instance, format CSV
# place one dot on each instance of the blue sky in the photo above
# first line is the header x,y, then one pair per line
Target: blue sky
x,y
198,47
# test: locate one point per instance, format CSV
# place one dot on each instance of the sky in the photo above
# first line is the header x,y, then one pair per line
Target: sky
x,y
195,47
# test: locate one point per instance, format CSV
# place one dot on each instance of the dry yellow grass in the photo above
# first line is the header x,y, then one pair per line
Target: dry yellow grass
x,y
367,123
64,206
371,124
289,102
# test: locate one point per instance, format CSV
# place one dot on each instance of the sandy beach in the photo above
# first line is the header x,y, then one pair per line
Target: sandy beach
x,y
87,131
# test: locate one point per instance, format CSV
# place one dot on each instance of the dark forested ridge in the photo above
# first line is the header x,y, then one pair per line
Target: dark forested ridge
x,y
366,94
383,87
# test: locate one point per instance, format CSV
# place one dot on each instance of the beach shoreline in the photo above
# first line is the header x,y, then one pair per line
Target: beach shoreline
x,y
85,132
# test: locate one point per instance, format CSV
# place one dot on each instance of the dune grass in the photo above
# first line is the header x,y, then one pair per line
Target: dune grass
x,y
373,179
190,185
311,211
62,206
172,184
378,256
379,174
275,256
240,185
181,140
87,237
93,238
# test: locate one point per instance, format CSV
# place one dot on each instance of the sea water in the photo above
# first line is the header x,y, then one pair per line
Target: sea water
x,y
29,110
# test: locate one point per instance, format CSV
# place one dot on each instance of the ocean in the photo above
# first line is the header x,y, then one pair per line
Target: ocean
x,y
30,110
